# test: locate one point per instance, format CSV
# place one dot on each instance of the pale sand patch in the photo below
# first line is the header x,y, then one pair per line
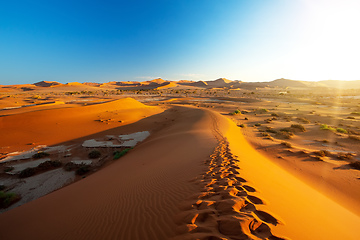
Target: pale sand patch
x,y
129,140
37,186
19,167
22,155
85,162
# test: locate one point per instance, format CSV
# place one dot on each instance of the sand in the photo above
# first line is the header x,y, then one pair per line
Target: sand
x,y
196,175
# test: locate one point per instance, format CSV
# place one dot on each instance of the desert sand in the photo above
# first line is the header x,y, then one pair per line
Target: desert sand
x,y
203,170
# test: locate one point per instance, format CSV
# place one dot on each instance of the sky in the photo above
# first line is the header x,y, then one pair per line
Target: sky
x,y
248,40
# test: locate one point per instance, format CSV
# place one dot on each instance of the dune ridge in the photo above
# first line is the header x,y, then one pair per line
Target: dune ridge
x,y
195,177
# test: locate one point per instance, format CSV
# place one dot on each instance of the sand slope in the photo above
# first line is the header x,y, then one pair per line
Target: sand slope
x,y
53,126
305,212
134,198
196,177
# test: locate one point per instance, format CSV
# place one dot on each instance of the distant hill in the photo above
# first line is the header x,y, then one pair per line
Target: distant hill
x,y
47,84
219,83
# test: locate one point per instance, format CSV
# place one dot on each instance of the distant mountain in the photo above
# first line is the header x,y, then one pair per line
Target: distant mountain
x,y
47,84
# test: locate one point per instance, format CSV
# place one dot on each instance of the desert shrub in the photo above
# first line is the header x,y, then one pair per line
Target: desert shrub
x,y
270,130
345,156
303,120
82,170
40,154
285,130
356,113
257,124
8,169
354,137
318,158
27,172
237,111
275,115
286,135
322,153
246,118
350,117
299,126
355,165
94,154
326,127
341,130
287,118
286,144
263,110
6,199
242,125
49,165
264,134
119,154
268,120
70,166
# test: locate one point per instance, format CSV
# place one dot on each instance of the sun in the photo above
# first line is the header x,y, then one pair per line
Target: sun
x,y
329,47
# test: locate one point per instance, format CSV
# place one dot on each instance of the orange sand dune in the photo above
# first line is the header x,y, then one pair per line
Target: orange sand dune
x,y
169,85
305,212
136,197
47,127
177,184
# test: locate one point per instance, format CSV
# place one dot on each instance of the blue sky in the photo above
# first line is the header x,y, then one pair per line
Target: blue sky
x,y
252,40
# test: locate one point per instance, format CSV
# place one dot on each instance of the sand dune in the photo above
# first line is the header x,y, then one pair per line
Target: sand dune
x,y
53,126
135,198
296,203
195,177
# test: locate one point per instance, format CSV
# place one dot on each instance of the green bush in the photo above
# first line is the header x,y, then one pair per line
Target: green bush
x,y
94,154
119,154
326,127
40,154
341,130
242,125
6,199
275,115
237,111
257,124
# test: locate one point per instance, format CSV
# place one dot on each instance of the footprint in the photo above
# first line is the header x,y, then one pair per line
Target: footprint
x,y
248,188
232,227
255,200
266,217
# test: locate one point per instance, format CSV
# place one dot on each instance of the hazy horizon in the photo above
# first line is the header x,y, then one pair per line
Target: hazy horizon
x,y
251,41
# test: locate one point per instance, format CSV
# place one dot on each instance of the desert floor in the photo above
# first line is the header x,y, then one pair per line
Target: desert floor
x,y
201,164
